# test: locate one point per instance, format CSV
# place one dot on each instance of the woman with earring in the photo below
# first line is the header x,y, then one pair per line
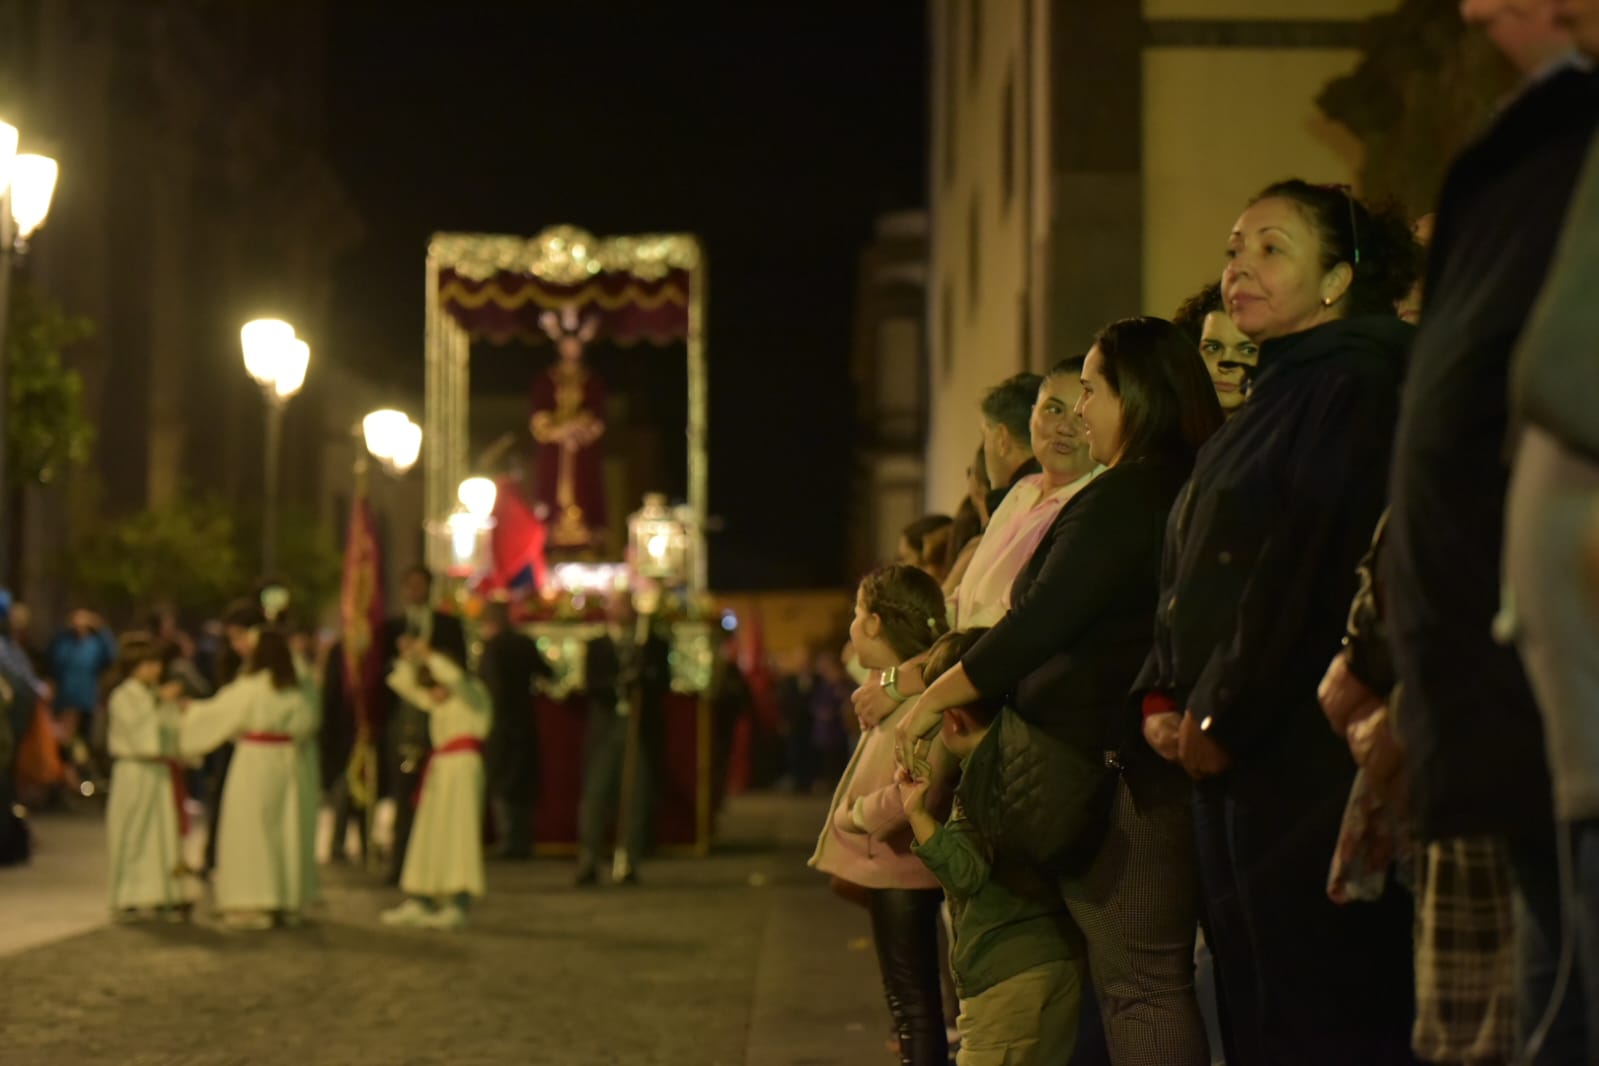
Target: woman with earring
x,y
1259,569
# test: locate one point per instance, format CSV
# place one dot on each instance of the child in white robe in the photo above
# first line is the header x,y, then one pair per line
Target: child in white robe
x,y
443,868
259,874
145,812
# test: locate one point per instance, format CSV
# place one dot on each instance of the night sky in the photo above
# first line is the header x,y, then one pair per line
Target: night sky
x,y
776,136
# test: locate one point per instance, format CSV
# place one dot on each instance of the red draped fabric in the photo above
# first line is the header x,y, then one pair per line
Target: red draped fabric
x,y
507,306
561,724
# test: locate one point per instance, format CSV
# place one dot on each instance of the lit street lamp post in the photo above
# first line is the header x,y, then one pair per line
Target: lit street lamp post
x,y
27,184
277,361
395,441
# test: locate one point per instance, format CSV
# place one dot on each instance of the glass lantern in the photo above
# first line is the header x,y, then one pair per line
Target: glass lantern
x,y
658,542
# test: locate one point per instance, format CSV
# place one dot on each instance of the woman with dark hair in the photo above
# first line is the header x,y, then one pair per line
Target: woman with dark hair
x,y
1229,355
1258,574
264,712
1065,656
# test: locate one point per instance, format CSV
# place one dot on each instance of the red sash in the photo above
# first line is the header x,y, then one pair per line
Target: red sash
x,y
267,738
454,746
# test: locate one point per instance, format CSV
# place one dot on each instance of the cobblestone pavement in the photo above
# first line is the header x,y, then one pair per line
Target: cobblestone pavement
x,y
741,958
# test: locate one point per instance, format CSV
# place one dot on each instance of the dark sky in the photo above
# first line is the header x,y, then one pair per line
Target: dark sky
x,y
775,132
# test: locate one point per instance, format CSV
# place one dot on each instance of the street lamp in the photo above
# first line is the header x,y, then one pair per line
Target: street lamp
x,y
465,526
477,495
33,186
392,439
277,361
27,183
395,441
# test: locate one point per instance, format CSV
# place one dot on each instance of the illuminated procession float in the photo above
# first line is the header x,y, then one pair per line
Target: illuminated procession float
x,y
545,538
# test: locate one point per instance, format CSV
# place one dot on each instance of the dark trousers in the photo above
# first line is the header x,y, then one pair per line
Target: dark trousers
x,y
407,754
345,809
605,751
511,763
220,760
905,931
1542,932
1137,906
1305,981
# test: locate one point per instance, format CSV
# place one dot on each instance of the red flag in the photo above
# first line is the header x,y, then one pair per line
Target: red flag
x,y
361,612
517,543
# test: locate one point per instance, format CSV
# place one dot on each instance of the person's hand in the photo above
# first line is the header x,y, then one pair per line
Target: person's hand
x,y
872,704
403,643
1200,755
912,792
913,739
1345,699
420,651
1161,732
1376,748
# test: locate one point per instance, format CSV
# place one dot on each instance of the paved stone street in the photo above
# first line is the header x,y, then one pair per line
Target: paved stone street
x,y
742,958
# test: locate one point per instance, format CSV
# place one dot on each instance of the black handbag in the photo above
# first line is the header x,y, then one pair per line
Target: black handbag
x,y
1037,798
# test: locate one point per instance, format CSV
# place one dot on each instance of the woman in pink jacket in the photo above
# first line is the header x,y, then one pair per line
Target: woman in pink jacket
x,y
899,612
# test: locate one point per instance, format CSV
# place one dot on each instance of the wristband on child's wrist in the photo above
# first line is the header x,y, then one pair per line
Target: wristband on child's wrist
x,y
890,677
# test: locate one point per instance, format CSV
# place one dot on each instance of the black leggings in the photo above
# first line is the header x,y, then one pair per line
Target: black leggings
x,y
905,930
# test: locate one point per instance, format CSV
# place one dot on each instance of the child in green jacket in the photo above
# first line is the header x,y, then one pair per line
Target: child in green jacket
x,y
1016,955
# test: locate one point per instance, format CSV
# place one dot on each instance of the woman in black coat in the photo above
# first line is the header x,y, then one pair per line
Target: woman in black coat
x,y
1259,569
1068,651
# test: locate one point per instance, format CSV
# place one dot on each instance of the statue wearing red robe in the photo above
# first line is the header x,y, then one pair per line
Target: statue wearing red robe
x,y
568,401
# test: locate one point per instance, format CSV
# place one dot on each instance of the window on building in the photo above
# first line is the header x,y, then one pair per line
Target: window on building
x,y
974,259
899,381
1007,139
946,330
974,38
952,31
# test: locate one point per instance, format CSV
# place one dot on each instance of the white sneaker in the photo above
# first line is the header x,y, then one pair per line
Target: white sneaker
x,y
411,912
448,918
247,921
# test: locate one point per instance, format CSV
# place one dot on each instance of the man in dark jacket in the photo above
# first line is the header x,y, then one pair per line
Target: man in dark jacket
x,y
1469,724
510,664
406,742
626,675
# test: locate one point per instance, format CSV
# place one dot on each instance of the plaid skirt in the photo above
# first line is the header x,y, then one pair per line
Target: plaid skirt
x,y
1465,952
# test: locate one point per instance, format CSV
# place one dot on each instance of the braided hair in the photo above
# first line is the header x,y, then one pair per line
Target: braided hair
x,y
910,605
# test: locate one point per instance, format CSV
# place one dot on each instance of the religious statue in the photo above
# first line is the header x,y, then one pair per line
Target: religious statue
x,y
568,421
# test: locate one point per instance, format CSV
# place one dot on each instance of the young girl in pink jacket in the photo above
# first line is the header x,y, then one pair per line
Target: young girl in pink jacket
x,y
899,612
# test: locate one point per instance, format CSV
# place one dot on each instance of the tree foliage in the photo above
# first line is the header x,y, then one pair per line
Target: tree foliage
x,y
199,554
1425,87
185,552
47,433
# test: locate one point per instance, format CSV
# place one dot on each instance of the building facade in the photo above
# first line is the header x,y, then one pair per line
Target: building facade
x,y
888,368
194,196
1088,159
